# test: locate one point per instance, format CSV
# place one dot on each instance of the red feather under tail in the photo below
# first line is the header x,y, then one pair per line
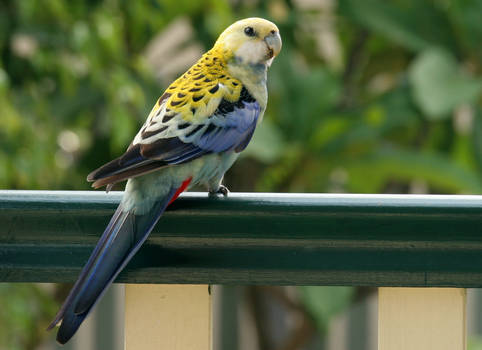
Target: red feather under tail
x,y
180,190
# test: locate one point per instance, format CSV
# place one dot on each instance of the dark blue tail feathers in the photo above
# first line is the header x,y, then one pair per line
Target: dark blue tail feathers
x,y
121,239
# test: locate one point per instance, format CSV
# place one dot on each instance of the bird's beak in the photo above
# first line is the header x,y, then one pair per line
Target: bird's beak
x,y
273,41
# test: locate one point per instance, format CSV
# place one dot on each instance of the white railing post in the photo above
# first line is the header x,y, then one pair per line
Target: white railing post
x,y
174,317
422,319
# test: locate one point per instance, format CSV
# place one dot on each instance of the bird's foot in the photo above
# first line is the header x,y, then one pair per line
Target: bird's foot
x,y
221,190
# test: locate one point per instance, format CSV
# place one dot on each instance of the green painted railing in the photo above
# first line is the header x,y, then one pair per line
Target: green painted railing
x,y
255,238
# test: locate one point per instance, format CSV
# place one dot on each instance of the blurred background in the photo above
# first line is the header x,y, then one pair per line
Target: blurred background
x,y
366,96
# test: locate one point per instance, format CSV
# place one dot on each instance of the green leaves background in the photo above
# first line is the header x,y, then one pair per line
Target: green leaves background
x,y
397,99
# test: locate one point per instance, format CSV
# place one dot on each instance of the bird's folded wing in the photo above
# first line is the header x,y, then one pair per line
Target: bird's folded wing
x,y
167,138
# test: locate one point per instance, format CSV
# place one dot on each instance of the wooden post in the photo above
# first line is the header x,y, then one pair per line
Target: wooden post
x,y
421,318
174,317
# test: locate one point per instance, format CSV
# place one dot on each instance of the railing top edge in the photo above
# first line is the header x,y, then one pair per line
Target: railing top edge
x,y
261,197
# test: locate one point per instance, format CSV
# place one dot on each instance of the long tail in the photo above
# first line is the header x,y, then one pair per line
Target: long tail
x,y
120,241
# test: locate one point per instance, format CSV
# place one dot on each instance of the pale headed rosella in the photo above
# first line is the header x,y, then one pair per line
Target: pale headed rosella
x,y
194,133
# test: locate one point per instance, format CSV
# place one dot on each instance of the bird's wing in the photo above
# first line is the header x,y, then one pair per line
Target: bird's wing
x,y
171,137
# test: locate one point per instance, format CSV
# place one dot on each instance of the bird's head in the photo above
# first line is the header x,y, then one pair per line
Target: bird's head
x,y
251,41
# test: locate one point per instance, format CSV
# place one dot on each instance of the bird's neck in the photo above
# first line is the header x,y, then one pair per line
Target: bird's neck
x,y
252,76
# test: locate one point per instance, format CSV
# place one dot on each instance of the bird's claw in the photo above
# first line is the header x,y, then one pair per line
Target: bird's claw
x,y
221,190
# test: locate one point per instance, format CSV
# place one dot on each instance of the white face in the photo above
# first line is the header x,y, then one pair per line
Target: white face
x,y
252,41
253,52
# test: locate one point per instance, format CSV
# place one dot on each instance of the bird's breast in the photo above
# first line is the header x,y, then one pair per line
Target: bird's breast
x,y
211,166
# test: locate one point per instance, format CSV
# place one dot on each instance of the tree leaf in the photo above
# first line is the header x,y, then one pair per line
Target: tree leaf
x,y
396,164
438,84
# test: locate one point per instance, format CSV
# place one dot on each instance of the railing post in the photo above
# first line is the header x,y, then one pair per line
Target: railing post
x,y
422,318
174,317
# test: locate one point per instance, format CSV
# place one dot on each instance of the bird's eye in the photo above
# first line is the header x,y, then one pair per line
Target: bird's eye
x,y
249,31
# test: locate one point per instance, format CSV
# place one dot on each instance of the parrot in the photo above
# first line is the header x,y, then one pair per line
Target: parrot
x,y
192,136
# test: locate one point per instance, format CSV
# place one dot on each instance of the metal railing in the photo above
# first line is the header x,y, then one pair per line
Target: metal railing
x,y
283,239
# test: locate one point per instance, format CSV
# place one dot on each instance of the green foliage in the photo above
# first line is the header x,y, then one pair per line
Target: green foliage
x,y
438,86
395,94
404,111
325,302
474,343
413,24
24,315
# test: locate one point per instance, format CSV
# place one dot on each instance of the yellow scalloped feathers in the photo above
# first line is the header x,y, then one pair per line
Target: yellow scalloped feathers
x,y
196,94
